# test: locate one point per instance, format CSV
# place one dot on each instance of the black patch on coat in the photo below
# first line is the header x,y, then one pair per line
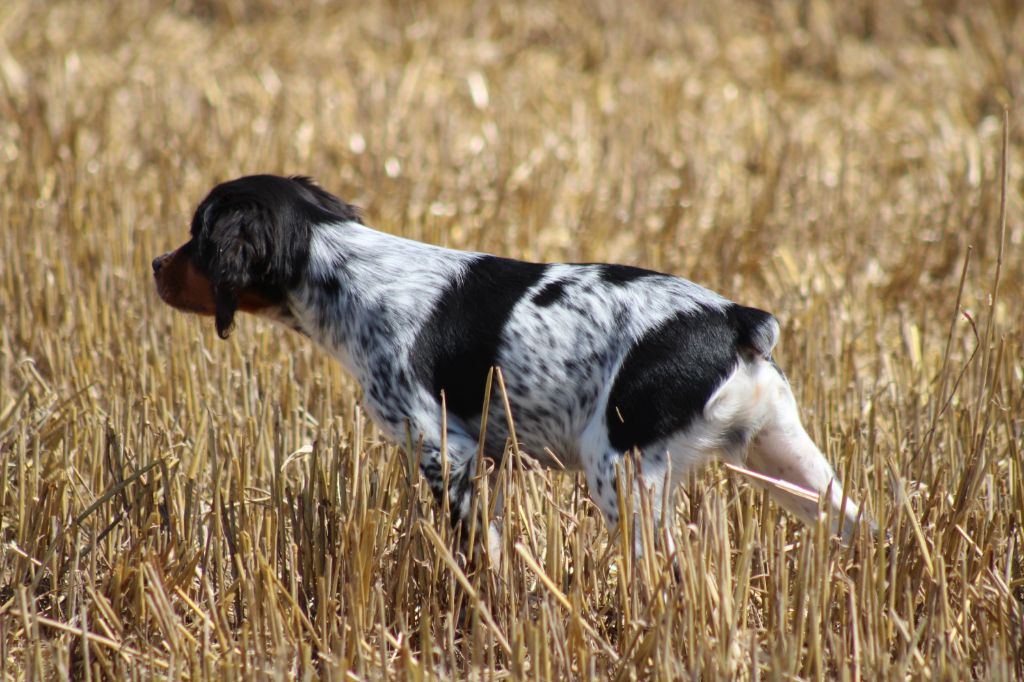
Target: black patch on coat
x,y
458,344
330,285
550,293
671,372
623,274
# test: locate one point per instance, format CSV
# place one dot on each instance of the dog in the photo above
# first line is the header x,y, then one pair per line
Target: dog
x,y
598,360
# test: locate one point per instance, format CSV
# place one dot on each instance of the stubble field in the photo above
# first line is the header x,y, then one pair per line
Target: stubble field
x,y
177,506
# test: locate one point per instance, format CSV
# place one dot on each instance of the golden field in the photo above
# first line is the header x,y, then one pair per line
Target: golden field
x,y
175,506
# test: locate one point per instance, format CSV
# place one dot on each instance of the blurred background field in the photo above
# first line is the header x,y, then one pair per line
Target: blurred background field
x,y
177,506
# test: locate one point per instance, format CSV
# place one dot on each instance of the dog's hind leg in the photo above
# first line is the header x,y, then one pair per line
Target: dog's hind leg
x,y
759,428
782,450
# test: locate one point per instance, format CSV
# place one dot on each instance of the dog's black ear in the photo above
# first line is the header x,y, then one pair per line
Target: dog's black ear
x,y
226,301
252,237
235,253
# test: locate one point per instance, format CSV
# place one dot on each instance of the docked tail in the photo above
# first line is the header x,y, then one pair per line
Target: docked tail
x,y
756,330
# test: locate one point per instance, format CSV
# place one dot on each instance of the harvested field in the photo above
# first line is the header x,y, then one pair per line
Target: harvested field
x,y
177,506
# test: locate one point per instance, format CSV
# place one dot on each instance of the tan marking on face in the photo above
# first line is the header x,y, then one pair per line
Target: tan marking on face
x,y
183,286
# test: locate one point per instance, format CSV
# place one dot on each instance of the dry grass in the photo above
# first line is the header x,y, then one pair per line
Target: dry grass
x,y
176,506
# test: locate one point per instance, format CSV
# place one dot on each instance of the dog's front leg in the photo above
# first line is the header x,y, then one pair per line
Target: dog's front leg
x,y
449,470
460,458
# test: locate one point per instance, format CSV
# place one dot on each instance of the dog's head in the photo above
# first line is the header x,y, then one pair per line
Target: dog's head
x,y
249,246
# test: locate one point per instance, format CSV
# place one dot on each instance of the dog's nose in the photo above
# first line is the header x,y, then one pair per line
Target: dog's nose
x,y
158,263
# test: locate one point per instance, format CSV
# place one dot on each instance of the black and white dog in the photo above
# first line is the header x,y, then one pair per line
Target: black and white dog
x,y
597,359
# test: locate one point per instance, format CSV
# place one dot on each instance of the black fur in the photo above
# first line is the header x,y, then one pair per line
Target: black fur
x,y
624,274
550,293
754,329
669,374
458,345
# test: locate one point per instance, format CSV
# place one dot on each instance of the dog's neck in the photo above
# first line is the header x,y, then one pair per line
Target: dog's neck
x,y
366,291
